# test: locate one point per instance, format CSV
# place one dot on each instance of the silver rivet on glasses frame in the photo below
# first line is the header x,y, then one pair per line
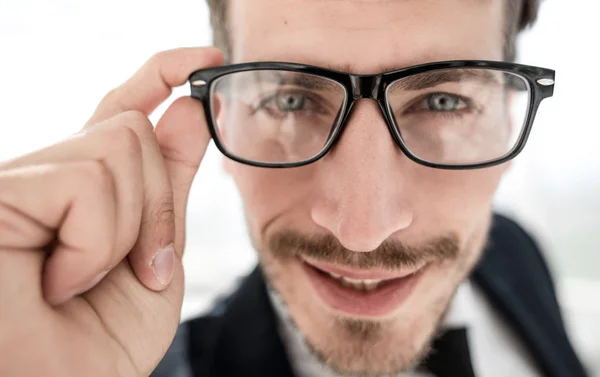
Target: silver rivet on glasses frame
x,y
198,82
545,82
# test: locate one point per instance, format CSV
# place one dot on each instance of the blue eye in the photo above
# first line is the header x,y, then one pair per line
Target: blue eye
x,y
444,102
290,101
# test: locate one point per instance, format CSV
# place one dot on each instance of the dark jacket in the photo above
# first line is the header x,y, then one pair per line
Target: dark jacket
x,y
239,336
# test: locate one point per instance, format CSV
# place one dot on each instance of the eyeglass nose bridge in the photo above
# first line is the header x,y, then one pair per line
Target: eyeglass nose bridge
x,y
364,86
367,87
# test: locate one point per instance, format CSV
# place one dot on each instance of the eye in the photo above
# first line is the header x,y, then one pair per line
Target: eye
x,y
290,101
443,102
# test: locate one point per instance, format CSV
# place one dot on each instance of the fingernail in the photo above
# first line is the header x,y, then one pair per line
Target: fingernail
x,y
91,284
162,264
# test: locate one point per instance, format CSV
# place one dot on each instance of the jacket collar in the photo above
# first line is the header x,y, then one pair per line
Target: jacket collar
x,y
515,278
249,343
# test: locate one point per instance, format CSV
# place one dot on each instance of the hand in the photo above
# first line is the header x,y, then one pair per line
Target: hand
x,y
92,232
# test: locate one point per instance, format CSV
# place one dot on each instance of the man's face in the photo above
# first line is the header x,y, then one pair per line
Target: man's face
x,y
401,235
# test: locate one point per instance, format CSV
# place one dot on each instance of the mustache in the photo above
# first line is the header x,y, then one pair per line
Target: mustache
x,y
391,254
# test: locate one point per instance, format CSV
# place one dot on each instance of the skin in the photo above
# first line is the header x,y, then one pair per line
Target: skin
x,y
88,295
56,318
365,192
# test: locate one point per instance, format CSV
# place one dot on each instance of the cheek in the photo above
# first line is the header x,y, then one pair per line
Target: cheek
x,y
271,193
457,198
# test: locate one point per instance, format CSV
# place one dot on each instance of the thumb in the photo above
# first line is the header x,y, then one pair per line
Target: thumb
x,y
183,136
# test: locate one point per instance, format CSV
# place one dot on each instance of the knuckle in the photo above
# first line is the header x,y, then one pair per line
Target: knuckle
x,y
135,117
164,211
96,175
108,97
156,59
138,122
124,139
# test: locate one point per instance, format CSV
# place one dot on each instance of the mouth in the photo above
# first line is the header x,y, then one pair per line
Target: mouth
x,y
361,293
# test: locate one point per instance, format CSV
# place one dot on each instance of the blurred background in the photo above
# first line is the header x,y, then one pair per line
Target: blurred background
x,y
58,58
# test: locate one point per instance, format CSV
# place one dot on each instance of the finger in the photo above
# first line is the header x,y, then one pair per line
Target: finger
x,y
153,82
119,148
19,232
183,136
79,203
151,256
145,225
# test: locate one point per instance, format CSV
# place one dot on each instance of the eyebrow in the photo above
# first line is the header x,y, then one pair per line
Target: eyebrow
x,y
303,80
309,81
410,83
434,78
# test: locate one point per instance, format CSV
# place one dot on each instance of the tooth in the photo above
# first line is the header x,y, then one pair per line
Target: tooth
x,y
358,286
366,285
354,281
346,283
371,286
349,283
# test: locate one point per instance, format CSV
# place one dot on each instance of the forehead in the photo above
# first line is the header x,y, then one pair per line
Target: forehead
x,y
365,36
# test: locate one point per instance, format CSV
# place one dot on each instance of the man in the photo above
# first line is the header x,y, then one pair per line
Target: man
x,y
379,251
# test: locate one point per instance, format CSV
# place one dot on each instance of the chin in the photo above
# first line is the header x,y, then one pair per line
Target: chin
x,y
374,324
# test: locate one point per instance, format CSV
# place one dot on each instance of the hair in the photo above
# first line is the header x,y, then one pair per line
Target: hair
x,y
520,14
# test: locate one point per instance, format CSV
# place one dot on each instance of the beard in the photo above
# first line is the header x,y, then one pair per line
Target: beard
x,y
356,346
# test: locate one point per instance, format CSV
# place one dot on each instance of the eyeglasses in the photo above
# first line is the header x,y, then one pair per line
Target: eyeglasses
x,y
448,115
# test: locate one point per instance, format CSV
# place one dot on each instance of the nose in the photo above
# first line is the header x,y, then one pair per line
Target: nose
x,y
362,196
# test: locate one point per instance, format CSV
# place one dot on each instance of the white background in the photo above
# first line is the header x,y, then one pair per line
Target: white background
x,y
58,58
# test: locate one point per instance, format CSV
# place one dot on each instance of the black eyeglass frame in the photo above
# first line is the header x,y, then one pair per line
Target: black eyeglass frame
x,y
540,82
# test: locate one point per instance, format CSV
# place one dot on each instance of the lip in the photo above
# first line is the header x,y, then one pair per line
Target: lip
x,y
371,274
351,302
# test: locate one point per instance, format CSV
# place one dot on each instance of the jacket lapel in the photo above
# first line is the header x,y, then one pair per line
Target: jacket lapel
x,y
515,278
249,342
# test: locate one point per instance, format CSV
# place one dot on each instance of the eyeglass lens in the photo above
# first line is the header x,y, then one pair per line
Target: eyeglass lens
x,y
452,116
